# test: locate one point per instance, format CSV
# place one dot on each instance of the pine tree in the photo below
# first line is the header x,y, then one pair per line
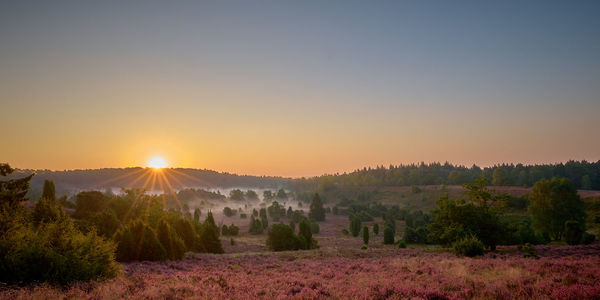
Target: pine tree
x,y
376,229
366,235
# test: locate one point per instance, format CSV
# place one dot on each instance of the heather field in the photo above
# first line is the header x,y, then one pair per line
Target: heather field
x,y
386,273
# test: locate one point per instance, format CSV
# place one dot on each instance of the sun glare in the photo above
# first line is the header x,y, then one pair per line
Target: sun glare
x,y
157,163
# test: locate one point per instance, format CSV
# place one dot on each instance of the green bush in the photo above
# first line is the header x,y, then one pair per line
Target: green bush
x,y
281,238
588,238
365,235
376,229
314,227
528,250
345,231
170,240
573,232
208,240
56,253
388,235
256,226
106,223
138,242
364,247
470,246
402,244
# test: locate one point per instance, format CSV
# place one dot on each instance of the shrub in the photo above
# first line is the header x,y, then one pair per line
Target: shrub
x,y
528,250
281,238
45,211
56,253
314,227
106,223
232,242
470,246
256,226
376,229
316,212
305,232
402,244
364,247
355,225
170,240
366,235
243,216
588,238
138,242
186,232
227,211
388,235
208,240
573,232
345,231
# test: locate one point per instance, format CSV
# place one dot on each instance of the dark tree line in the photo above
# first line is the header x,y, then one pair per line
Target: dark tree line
x,y
583,175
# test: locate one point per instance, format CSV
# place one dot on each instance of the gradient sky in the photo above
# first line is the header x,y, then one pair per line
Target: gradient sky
x,y
298,88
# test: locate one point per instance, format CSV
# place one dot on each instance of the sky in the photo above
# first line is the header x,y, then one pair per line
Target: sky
x,y
298,88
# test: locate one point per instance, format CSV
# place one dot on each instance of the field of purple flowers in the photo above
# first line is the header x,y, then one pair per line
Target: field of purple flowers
x,y
560,273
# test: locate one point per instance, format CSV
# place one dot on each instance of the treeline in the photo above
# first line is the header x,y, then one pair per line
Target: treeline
x,y
584,175
179,178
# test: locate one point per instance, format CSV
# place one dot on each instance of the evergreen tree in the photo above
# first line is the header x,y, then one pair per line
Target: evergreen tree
x,y
170,240
305,231
388,235
49,191
366,235
376,229
355,224
209,236
317,212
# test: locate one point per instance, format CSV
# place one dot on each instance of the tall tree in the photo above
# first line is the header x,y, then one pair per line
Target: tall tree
x,y
552,203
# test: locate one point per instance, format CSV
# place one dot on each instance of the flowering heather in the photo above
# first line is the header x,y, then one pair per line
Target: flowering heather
x,y
561,273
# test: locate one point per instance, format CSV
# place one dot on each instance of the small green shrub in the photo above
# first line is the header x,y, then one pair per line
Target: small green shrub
x,y
364,247
138,242
388,235
402,244
573,232
345,231
528,250
470,246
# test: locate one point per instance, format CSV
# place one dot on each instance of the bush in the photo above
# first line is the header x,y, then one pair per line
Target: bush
x,y
208,240
314,227
588,238
56,253
470,246
528,250
138,242
256,226
106,223
345,231
376,229
227,211
364,247
170,240
573,232
366,235
281,238
388,235
402,244
243,216
355,225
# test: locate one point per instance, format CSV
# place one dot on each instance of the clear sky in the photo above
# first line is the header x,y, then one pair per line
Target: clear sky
x,y
298,88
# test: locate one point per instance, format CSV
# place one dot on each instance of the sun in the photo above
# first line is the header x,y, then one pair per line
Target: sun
x,y
157,163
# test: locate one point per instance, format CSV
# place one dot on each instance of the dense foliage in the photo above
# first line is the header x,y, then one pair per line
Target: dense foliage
x,y
45,245
583,174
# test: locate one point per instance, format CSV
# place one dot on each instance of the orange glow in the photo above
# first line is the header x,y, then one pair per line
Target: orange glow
x,y
157,163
